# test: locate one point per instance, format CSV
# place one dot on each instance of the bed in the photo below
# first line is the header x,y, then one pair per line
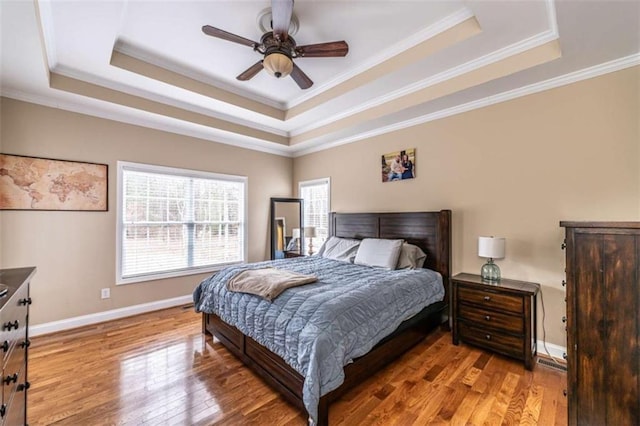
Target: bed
x,y
431,231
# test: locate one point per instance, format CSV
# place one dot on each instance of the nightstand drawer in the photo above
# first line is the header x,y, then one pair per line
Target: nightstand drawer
x,y
499,342
484,317
490,299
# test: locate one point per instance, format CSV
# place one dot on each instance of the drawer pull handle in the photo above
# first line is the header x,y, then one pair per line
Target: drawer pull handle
x,y
564,319
487,317
563,245
488,337
14,378
3,410
9,325
487,298
25,343
23,386
564,355
564,283
5,346
26,301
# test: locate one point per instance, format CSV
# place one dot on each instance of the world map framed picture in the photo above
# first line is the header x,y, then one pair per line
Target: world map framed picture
x,y
30,183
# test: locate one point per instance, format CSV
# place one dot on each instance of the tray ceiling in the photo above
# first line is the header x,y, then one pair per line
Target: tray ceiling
x,y
148,62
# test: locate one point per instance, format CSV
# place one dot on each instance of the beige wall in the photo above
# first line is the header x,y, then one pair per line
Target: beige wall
x,y
75,251
514,169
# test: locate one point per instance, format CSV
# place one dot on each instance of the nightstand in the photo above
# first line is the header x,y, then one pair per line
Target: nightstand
x,y
500,317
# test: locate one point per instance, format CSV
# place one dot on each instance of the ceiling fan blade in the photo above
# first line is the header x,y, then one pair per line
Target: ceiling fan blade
x,y
250,72
300,77
323,50
224,35
281,11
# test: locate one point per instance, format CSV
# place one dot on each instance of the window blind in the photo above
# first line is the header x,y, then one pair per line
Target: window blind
x,y
316,208
175,222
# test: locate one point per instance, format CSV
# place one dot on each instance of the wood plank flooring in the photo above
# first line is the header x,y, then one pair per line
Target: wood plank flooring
x,y
155,369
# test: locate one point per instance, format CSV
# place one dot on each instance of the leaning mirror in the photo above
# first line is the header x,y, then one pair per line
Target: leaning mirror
x,y
286,225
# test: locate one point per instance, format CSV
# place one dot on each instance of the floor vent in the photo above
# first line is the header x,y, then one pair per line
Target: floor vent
x,y
552,364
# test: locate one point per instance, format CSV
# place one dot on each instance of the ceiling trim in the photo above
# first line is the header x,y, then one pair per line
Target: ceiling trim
x,y
473,65
147,69
84,88
459,78
119,87
552,83
396,53
167,65
45,16
145,119
136,117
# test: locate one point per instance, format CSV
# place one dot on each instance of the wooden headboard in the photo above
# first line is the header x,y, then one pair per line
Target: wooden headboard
x,y
431,231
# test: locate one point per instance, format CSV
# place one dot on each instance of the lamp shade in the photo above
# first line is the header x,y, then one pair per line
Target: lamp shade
x,y
295,233
309,231
278,64
491,247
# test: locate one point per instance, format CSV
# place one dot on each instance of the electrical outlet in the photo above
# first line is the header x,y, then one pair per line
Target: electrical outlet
x,y
105,293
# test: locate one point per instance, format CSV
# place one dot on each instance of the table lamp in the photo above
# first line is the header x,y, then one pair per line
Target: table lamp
x,y
491,248
310,232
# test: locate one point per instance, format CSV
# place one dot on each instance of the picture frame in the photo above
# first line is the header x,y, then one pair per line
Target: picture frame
x,y
47,184
399,165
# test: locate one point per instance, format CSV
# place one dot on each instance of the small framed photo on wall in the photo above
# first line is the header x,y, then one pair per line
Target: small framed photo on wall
x,y
399,165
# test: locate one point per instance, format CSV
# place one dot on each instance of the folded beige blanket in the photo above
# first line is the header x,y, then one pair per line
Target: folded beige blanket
x,y
267,282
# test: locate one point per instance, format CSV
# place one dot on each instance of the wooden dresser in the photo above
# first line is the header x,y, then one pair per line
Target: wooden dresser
x,y
497,316
14,341
603,322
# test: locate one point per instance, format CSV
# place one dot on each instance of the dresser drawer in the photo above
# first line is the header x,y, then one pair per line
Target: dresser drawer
x,y
14,402
493,319
13,321
496,341
490,299
16,411
11,371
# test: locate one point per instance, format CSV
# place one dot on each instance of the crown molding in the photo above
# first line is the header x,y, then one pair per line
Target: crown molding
x,y
469,66
310,147
149,120
119,87
142,55
421,36
552,19
45,15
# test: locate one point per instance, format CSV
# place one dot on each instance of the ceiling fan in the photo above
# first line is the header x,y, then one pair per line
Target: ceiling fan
x,y
279,48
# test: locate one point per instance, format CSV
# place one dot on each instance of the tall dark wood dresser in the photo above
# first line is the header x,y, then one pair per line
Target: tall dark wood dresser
x,y
603,322
14,341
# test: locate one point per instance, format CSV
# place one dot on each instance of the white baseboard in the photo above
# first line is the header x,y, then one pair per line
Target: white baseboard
x,y
69,323
555,351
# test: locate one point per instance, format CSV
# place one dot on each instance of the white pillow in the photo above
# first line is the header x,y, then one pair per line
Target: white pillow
x,y
411,257
379,252
343,249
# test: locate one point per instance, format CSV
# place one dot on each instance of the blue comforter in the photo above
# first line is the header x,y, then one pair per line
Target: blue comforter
x,y
319,328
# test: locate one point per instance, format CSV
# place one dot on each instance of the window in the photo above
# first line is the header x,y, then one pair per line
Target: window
x,y
174,222
316,196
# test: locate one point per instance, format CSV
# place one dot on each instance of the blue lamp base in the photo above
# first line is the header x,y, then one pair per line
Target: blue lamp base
x,y
490,271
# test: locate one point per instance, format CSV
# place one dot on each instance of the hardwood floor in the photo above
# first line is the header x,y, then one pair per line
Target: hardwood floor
x,y
127,372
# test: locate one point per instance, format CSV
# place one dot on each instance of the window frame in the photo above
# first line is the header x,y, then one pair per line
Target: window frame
x,y
312,182
124,166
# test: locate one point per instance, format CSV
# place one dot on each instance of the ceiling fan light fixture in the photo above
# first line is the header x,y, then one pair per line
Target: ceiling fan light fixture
x,y
278,64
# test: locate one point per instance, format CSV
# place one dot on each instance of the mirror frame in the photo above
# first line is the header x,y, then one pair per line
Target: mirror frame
x,y
274,242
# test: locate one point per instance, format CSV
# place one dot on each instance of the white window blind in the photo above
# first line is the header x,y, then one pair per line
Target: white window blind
x,y
316,196
174,222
